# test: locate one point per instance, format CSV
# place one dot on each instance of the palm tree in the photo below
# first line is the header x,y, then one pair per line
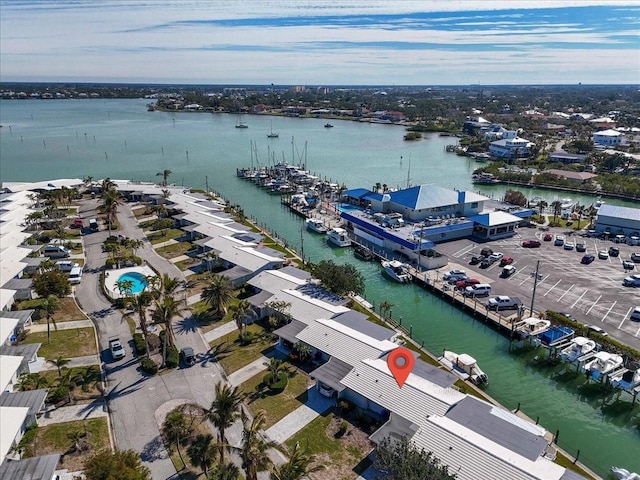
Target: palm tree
x,y
224,471
218,294
275,367
202,452
59,363
224,410
31,381
541,206
254,451
297,467
107,186
175,429
281,314
169,285
166,308
140,303
125,286
110,202
165,176
240,313
557,209
50,306
78,442
303,351
385,308
579,210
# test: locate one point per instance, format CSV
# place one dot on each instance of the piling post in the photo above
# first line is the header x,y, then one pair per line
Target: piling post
x,y
517,408
537,420
410,331
577,457
555,437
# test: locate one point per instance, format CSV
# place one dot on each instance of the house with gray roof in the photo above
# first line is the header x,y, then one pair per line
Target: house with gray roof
x,y
35,468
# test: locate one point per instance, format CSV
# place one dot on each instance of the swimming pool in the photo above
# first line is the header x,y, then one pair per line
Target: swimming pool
x,y
346,207
137,279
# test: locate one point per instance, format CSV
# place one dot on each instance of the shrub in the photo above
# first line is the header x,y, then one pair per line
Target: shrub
x,y
345,406
136,259
148,366
58,394
342,429
110,262
173,357
277,386
138,341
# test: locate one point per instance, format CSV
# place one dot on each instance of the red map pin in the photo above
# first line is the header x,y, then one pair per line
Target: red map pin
x,y
400,361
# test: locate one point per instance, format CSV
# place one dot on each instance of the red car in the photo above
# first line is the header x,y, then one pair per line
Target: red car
x,y
547,237
462,284
506,261
531,243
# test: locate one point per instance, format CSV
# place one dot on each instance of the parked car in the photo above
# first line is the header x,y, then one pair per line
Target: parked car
x,y
454,275
595,328
494,257
66,265
467,282
568,246
547,237
506,261
633,240
632,281
559,241
614,251
531,243
620,239
481,289
117,350
628,265
187,356
476,259
635,257
635,315
508,270
56,251
78,223
587,259
485,252
569,316
581,247
486,262
603,255
592,233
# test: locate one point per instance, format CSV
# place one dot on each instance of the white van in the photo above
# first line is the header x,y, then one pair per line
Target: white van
x,y
75,275
56,251
478,290
66,265
508,270
93,224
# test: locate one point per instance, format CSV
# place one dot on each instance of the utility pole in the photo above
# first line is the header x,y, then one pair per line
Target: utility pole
x,y
535,284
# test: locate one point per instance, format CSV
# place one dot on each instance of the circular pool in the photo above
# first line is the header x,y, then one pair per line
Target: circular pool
x,y
137,280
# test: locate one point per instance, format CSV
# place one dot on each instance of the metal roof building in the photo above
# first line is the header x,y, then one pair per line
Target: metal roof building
x,y
618,219
36,468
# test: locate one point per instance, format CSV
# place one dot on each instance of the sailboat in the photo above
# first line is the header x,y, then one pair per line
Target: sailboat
x,y
241,124
272,135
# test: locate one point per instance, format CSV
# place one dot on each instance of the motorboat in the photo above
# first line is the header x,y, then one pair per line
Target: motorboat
x,y
578,348
624,474
465,366
567,204
363,253
316,225
626,379
535,202
396,270
556,335
602,363
338,236
328,125
531,327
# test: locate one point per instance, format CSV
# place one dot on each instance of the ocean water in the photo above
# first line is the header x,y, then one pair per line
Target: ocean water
x,y
119,139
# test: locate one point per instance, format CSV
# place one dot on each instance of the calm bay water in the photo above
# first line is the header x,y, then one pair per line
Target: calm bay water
x,y
120,139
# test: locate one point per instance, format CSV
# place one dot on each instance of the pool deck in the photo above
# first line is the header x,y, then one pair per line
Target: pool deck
x,y
112,276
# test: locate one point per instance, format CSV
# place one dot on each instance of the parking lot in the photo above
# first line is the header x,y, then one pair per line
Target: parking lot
x,y
593,293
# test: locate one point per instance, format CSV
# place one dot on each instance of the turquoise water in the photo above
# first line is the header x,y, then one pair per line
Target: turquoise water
x,y
137,279
47,140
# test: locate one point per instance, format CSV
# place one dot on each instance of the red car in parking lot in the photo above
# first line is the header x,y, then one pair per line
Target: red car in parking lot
x,y
467,282
547,237
531,243
506,261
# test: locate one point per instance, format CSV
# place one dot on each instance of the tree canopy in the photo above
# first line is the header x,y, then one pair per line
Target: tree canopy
x,y
339,279
402,460
125,465
51,282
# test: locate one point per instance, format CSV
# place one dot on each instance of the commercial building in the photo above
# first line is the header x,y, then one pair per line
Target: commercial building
x,y
618,220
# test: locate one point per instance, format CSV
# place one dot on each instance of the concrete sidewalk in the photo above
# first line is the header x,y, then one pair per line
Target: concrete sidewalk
x,y
179,258
248,371
60,326
75,362
73,413
315,406
220,331
164,244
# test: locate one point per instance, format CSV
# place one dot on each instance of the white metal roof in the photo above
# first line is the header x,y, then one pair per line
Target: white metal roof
x,y
274,281
11,419
8,367
249,258
6,298
7,327
306,309
44,185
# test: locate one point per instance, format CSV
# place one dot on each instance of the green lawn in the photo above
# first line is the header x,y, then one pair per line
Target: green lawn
x,y
169,234
237,355
89,375
276,406
68,310
77,342
174,250
188,263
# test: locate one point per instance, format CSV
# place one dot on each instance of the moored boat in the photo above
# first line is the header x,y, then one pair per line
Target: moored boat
x,y
316,225
338,237
397,271
578,348
531,327
602,363
328,125
363,253
567,204
465,366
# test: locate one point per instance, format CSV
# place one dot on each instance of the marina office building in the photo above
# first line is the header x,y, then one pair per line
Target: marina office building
x,y
413,220
618,220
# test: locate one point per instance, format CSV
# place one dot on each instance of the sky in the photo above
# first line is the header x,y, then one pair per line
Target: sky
x,y
321,42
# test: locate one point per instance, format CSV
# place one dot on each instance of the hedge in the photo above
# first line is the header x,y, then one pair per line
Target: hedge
x,y
148,366
280,385
173,357
138,341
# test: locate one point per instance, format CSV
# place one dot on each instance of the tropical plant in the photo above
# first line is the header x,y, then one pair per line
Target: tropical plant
x,y
124,286
339,279
402,459
303,351
31,381
224,471
281,313
78,441
240,313
385,308
165,309
110,202
557,209
255,448
118,465
218,294
224,410
51,282
175,429
50,306
299,466
140,303
165,176
202,452
59,363
541,206
275,367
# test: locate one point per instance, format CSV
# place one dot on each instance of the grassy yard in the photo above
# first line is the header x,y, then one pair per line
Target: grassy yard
x,y
160,236
174,250
188,263
339,454
276,406
68,311
68,343
54,439
84,377
237,355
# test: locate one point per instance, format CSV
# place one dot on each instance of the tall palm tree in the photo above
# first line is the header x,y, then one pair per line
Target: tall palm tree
x,y
59,363
224,471
169,284
224,411
125,286
240,314
557,209
202,452
385,308
50,306
175,430
579,211
107,185
541,206
165,176
165,309
275,367
297,467
255,448
140,303
218,294
111,201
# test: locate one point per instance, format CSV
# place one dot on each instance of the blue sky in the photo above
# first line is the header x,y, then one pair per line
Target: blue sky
x,y
331,42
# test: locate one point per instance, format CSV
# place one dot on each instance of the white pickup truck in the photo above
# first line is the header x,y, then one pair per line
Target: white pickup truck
x,y
117,350
503,302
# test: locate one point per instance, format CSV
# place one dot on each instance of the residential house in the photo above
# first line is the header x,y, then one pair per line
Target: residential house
x,y
608,138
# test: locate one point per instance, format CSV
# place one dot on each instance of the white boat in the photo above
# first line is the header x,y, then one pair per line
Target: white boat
x,y
534,202
465,366
624,474
397,271
626,379
598,204
338,236
531,327
602,363
577,349
316,225
567,204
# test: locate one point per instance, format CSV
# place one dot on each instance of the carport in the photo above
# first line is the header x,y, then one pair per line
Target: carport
x,y
494,225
